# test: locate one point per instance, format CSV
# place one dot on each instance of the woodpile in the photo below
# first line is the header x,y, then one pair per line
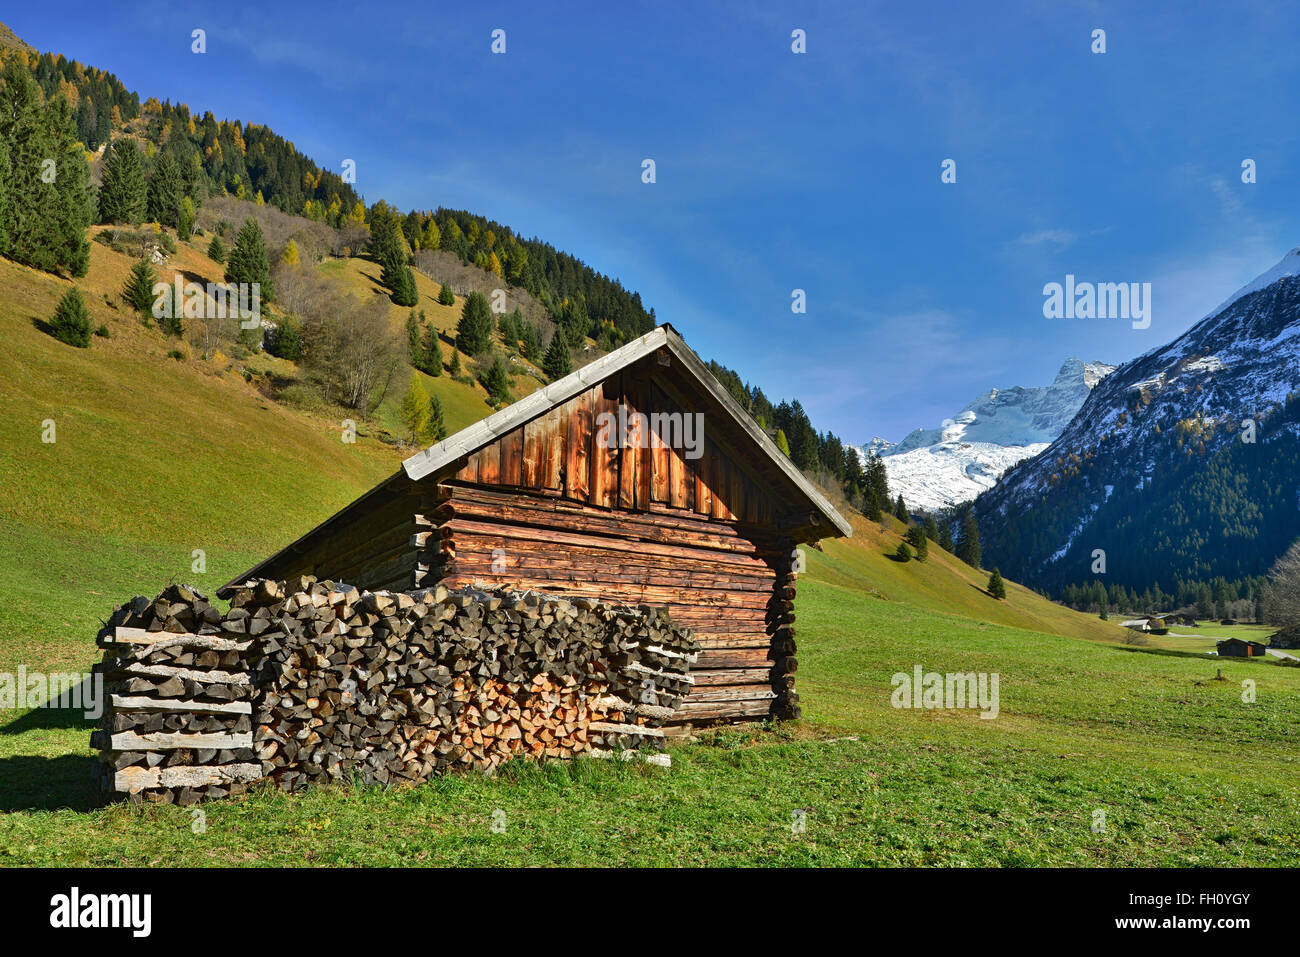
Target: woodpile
x,y
307,681
177,722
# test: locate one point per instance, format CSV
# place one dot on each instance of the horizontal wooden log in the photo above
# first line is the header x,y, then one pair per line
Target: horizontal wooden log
x,y
715,710
133,780
163,741
213,677
754,692
606,727
127,637
178,705
730,676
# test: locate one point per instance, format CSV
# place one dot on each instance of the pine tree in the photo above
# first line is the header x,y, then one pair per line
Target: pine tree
x,y
217,250
931,528
166,191
532,338
285,341
248,261
437,429
445,296
290,255
414,341
996,587
900,510
432,352
904,552
557,363
920,544
496,381
138,291
968,546
44,199
474,331
945,539
454,366
71,321
415,409
404,290
782,443
122,194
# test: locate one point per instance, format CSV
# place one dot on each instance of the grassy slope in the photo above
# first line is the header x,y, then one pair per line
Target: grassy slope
x,y
157,457
462,404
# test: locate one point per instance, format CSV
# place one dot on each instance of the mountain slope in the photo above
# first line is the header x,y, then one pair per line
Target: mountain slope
x,y
934,469
1185,460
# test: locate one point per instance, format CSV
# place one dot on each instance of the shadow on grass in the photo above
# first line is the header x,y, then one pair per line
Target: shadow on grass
x,y
51,719
34,783
1174,653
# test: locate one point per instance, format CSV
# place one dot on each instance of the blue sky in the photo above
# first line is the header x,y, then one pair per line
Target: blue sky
x,y
777,171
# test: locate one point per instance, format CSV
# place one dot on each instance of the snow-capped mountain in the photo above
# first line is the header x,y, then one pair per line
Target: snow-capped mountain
x,y
1182,459
937,468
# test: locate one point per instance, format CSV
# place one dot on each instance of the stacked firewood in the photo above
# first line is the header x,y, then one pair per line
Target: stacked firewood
x,y
177,721
388,687
309,681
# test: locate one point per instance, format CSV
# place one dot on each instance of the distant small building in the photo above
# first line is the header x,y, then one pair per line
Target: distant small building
x,y
1286,638
1239,648
1147,625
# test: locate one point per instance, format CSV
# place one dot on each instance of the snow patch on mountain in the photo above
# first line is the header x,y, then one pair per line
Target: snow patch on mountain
x,y
940,467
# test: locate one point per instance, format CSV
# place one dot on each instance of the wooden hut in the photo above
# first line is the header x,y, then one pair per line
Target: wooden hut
x,y
636,479
1240,648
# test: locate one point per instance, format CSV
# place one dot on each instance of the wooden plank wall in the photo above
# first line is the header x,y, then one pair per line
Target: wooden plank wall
x,y
560,453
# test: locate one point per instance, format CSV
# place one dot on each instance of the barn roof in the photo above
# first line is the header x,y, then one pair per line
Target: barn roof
x,y
452,451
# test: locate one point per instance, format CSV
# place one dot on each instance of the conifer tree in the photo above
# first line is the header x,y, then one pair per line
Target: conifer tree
x,y
496,381
285,341
432,352
248,261
44,199
217,250
138,291
123,194
185,227
532,338
904,552
415,409
290,255
71,320
166,191
437,430
931,528
557,363
945,539
996,587
900,509
968,546
454,366
474,331
920,544
414,340
782,443
445,296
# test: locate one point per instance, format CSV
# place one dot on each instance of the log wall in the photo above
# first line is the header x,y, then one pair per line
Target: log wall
x,y
733,587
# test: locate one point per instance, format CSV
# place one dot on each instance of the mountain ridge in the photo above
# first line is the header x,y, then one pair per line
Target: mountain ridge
x,y
935,469
1202,429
